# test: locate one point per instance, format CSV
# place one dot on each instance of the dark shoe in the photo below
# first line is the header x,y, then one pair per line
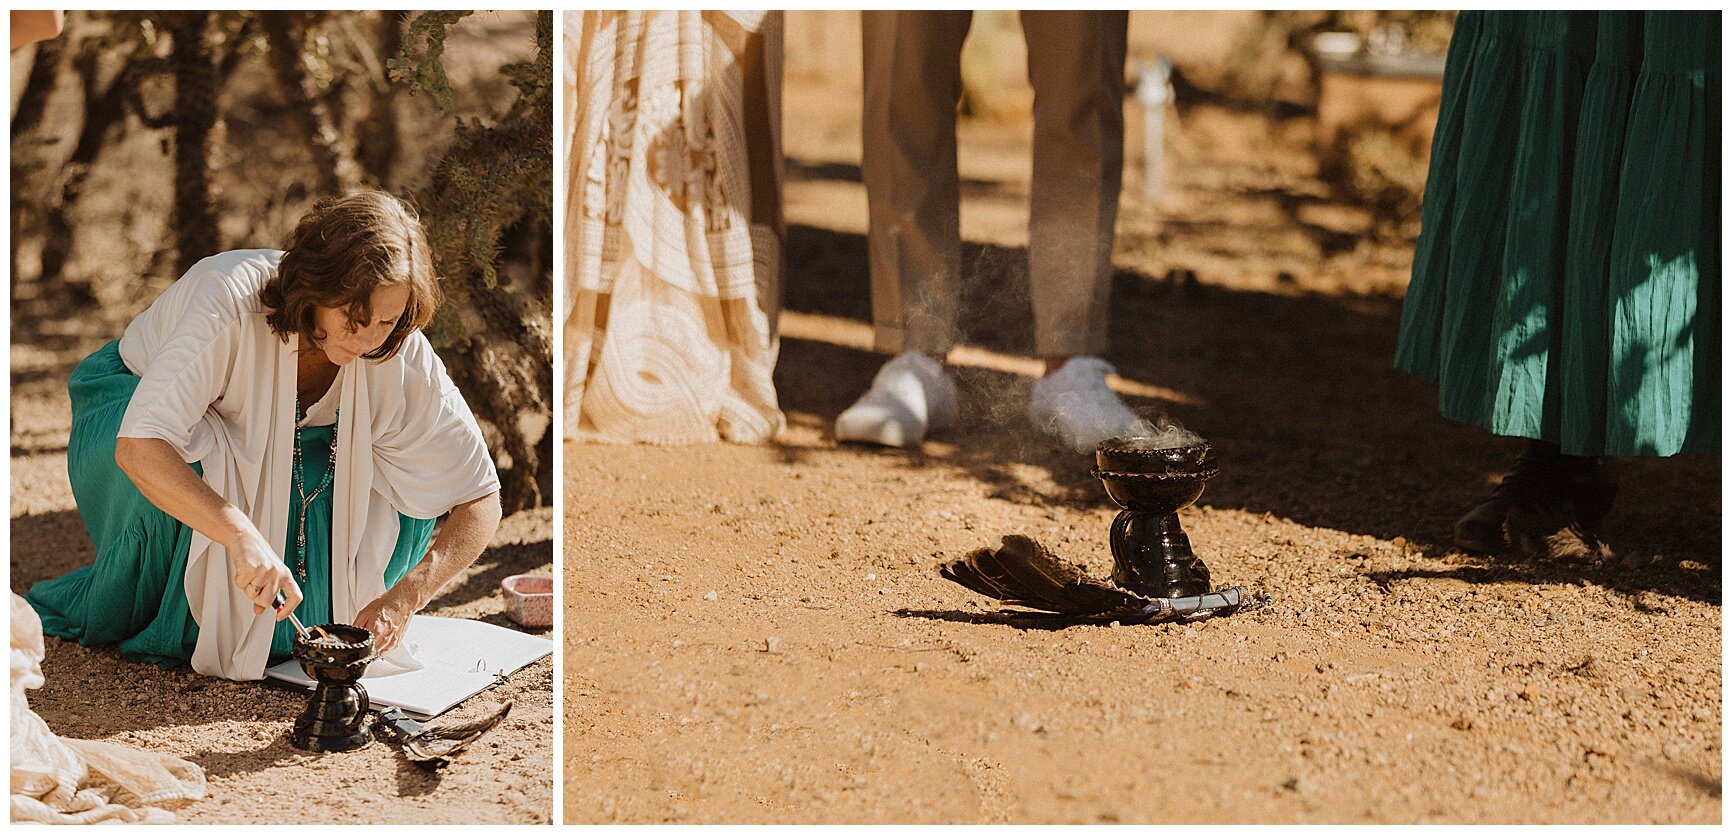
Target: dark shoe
x,y
1482,529
1593,486
1548,533
1563,523
1555,493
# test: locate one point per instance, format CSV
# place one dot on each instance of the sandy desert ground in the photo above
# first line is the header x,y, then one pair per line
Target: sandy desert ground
x,y
760,634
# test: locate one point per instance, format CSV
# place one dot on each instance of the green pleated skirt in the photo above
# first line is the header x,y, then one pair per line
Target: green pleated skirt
x,y
1566,282
134,595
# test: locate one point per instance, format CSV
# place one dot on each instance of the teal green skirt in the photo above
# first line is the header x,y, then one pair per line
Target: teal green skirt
x,y
1566,283
134,595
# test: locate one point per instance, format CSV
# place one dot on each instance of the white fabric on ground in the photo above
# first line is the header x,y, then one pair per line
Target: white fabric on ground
x,y
58,780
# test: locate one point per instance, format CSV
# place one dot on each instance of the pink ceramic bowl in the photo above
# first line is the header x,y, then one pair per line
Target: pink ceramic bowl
x,y
529,600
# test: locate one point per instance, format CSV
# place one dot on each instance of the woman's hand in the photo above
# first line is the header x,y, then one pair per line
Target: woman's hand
x,y
260,573
465,532
169,483
386,618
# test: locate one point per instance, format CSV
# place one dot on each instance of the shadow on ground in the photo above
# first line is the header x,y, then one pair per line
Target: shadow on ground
x,y
493,566
46,545
1296,391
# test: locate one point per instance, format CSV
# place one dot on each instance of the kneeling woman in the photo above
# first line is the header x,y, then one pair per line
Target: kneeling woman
x,y
275,421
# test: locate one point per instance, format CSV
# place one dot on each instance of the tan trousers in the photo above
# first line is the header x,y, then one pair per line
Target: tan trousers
x,y
913,81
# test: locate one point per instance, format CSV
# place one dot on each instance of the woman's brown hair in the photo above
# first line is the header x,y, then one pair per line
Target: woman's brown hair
x,y
342,250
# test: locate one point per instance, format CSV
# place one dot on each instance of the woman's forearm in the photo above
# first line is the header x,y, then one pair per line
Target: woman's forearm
x,y
170,484
258,571
465,534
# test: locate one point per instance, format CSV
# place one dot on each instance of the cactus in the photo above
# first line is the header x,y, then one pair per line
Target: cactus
x,y
495,182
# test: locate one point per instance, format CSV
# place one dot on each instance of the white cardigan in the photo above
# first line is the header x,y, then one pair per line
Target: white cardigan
x,y
219,387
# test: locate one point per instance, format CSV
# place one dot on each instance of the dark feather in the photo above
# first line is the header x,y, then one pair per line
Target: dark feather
x,y
1024,572
442,742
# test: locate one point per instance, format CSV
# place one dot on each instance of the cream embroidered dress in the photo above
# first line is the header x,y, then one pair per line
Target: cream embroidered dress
x,y
673,226
201,370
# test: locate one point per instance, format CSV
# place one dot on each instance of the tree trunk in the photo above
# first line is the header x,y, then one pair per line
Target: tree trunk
x,y
377,135
103,108
33,101
194,220
336,170
493,185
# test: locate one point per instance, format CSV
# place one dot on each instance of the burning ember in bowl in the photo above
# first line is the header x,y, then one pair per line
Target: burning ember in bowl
x,y
1144,454
333,644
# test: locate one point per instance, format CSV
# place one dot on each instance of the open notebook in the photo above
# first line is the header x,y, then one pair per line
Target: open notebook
x,y
463,657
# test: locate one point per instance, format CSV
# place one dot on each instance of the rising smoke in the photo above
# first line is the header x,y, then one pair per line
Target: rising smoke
x,y
990,306
1166,434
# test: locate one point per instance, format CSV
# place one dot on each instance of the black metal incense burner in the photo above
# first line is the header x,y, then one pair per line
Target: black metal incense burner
x,y
338,717
1155,578
1151,553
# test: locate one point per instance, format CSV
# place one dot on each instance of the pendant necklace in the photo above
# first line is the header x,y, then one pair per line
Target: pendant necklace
x,y
301,487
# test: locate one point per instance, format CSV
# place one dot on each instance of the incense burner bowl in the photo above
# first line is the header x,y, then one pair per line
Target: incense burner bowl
x,y
1152,481
337,716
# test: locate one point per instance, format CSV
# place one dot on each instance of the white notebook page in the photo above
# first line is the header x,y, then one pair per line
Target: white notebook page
x,y
463,657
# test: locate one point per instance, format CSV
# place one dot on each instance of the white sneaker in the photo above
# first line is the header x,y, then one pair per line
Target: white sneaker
x,y
1075,404
910,398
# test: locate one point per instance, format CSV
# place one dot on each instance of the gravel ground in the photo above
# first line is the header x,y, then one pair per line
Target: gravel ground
x,y
759,634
